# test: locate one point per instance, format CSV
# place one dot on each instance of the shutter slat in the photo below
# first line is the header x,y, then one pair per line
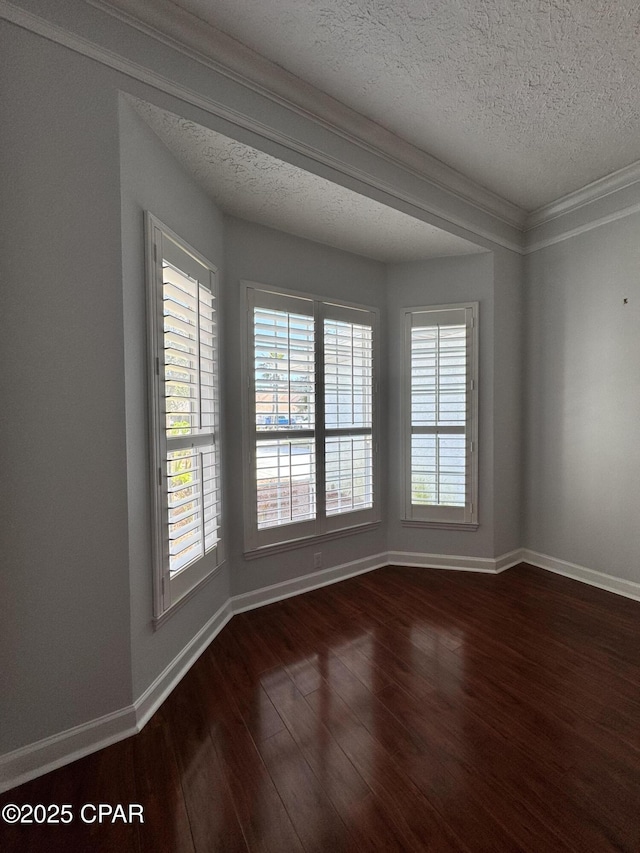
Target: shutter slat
x,y
176,326
180,529
179,295
192,475
180,546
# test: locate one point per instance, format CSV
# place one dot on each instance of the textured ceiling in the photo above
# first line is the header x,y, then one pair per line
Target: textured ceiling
x,y
532,99
253,185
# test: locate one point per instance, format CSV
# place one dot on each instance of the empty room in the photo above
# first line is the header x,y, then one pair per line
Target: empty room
x,y
321,382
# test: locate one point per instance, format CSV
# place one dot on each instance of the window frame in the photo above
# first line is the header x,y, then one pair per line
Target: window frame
x,y
168,591
286,536
433,515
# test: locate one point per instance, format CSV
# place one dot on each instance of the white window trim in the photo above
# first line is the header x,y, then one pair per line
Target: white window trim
x,y
324,527
459,518
170,592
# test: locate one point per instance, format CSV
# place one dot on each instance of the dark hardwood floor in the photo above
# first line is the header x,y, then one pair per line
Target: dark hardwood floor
x,y
406,709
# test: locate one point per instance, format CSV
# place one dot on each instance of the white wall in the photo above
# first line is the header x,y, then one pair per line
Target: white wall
x,y
256,253
583,400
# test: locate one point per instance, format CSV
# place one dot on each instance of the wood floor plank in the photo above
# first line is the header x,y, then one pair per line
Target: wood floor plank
x,y
166,827
262,816
233,665
613,807
212,814
366,706
408,813
315,819
105,777
339,778
252,648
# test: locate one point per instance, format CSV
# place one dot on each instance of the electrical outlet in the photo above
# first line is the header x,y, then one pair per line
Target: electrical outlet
x,y
317,560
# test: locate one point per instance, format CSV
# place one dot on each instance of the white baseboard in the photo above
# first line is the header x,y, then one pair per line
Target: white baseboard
x,y
52,752
45,755
287,589
490,565
35,759
630,589
147,704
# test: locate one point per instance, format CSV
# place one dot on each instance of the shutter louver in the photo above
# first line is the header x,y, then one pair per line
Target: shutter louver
x,y
190,404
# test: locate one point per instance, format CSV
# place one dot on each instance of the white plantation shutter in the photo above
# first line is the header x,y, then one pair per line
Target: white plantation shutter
x,y
441,355
186,452
283,391
348,400
187,375
311,417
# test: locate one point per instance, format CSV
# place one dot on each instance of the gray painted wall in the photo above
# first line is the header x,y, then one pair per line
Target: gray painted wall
x,y
151,179
260,254
508,422
583,400
65,650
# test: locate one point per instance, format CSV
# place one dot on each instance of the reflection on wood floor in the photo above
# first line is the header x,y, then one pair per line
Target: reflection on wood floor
x,y
405,709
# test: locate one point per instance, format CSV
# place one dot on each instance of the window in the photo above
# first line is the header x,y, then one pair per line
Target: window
x,y
185,445
441,415
311,417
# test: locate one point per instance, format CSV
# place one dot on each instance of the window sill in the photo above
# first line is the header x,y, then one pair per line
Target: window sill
x,y
292,544
440,525
158,621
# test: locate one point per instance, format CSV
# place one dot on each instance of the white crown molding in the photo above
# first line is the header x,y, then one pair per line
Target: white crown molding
x,y
197,39
110,59
581,229
205,44
596,190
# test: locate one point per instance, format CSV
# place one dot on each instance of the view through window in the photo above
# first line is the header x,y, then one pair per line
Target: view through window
x,y
312,405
